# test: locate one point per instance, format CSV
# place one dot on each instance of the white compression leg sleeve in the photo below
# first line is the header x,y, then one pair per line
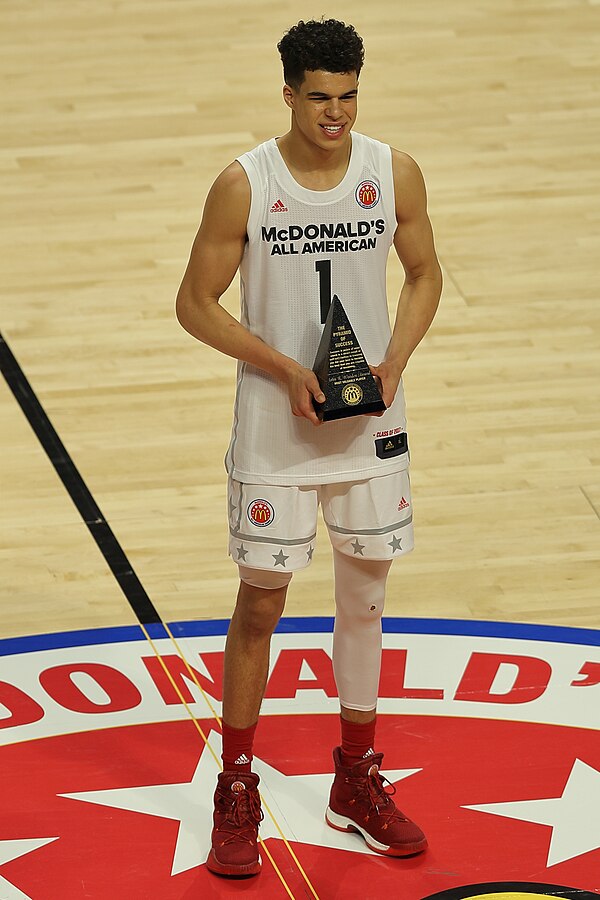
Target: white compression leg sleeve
x,y
359,600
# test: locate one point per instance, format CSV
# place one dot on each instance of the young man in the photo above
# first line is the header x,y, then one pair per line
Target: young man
x,y
303,216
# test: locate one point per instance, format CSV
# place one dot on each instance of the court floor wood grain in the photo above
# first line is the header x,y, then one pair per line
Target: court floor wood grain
x,y
116,118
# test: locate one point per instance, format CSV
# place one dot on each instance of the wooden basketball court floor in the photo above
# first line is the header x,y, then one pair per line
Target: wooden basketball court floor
x,y
116,118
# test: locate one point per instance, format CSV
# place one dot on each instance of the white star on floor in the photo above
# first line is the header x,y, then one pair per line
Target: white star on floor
x,y
297,803
10,850
574,816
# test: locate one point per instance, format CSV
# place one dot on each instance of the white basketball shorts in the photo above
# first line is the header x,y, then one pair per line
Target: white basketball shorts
x,y
275,526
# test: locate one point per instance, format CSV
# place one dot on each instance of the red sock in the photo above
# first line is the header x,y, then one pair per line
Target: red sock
x,y
357,740
237,748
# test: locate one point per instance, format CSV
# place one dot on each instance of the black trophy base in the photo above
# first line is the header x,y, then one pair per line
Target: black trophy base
x,y
346,412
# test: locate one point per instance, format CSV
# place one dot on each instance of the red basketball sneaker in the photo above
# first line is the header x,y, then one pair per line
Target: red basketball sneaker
x,y
359,802
236,819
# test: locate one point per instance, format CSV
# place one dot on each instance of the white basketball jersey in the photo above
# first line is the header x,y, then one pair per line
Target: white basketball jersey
x,y
304,246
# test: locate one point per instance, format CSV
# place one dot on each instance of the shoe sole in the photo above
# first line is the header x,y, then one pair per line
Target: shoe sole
x,y
245,871
343,823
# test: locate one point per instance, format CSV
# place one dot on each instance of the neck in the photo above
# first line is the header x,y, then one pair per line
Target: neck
x,y
303,155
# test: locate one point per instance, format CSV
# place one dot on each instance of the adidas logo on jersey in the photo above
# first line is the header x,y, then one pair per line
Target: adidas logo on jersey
x,y
279,206
403,503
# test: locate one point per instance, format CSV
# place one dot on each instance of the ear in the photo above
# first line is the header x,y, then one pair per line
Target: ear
x,y
288,96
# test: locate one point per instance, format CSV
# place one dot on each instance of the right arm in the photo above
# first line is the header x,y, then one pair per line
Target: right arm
x,y
215,258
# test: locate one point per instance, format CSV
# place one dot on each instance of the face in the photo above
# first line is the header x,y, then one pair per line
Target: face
x,y
324,107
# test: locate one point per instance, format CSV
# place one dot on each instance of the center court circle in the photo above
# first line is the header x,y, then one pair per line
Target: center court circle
x,y
109,783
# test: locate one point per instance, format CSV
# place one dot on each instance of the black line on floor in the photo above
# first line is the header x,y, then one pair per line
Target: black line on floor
x,y
68,473
513,888
589,501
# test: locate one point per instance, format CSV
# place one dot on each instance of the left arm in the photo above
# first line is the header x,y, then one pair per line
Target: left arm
x,y
422,287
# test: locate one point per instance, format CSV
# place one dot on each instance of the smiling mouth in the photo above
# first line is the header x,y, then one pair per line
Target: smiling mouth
x,y
332,129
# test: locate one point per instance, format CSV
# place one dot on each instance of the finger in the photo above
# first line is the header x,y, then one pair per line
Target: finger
x,y
307,413
314,388
375,373
305,407
311,415
388,397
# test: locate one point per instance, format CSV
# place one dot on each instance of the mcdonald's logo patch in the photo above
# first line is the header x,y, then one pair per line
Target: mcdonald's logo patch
x,y
352,394
367,194
261,513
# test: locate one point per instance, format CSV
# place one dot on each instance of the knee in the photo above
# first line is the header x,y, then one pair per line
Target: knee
x,y
362,613
258,610
360,590
361,610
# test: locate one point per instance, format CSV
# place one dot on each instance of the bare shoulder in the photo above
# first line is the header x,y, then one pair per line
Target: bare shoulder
x,y
233,180
406,170
231,186
409,184
228,201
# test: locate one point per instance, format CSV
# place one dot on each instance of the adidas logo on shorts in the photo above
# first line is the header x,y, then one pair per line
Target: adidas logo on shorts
x,y
403,503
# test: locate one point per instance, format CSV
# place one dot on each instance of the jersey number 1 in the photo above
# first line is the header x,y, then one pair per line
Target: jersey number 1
x,y
323,267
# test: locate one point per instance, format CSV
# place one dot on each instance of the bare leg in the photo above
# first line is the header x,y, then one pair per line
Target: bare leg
x,y
246,662
357,715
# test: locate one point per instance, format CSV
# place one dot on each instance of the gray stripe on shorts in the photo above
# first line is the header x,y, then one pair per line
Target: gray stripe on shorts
x,y
240,500
385,530
241,535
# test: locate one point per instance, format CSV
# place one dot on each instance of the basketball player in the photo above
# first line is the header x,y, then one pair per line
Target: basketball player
x,y
304,216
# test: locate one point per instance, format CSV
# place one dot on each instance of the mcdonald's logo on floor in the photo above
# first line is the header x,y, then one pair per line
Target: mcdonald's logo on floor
x,y
110,741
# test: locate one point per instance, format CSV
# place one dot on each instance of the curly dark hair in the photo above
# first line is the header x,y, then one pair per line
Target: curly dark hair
x,y
329,45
